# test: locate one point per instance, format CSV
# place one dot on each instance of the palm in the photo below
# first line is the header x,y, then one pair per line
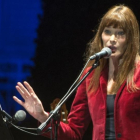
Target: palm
x,y
32,107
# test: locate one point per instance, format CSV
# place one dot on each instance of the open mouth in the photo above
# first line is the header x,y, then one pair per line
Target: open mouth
x,y
113,49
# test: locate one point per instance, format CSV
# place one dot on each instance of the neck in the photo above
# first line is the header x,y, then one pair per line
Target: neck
x,y
113,67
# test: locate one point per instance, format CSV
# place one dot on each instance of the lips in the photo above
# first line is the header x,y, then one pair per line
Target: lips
x,y
113,48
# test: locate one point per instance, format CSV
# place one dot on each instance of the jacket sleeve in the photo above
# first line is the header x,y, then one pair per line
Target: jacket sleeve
x,y
78,118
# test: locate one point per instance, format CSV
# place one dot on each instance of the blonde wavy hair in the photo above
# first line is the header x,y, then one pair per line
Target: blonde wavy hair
x,y
119,17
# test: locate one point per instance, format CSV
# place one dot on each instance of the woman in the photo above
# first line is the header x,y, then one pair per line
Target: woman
x,y
110,95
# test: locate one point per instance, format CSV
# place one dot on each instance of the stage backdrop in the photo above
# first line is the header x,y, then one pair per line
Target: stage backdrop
x,y
18,24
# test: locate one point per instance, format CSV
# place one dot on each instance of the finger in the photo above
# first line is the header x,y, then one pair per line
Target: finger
x,y
30,89
18,101
21,92
22,88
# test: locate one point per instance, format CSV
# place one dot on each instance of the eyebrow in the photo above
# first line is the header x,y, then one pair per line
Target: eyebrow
x,y
114,28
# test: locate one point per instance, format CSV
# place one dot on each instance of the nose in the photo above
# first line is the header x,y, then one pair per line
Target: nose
x,y
113,39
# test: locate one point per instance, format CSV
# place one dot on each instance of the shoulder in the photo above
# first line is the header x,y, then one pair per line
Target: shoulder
x,y
86,70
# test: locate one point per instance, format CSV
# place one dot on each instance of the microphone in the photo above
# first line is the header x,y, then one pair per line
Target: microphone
x,y
19,116
105,52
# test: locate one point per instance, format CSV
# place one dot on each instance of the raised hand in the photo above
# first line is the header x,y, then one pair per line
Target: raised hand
x,y
31,102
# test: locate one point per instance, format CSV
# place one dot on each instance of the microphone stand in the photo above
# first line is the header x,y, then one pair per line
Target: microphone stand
x,y
5,133
55,113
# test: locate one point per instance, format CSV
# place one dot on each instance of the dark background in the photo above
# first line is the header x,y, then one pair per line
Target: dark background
x,y
63,29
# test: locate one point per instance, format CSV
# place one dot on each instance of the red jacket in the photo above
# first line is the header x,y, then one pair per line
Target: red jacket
x,y
87,107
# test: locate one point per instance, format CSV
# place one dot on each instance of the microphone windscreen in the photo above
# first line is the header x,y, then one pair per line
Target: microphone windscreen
x,y
20,115
108,50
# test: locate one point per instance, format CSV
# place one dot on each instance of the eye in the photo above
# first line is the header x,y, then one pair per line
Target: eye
x,y
120,33
107,31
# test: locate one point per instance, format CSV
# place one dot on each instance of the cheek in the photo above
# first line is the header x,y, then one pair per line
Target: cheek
x,y
123,42
122,45
104,39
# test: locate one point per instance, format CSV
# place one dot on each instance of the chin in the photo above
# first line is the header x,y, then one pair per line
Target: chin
x,y
115,55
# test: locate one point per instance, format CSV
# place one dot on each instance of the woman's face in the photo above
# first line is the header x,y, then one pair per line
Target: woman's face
x,y
115,39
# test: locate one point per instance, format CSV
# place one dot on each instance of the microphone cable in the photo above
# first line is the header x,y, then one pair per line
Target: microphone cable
x,y
25,128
